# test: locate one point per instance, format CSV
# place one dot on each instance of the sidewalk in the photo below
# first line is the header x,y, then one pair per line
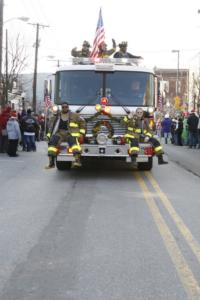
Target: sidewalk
x,y
189,159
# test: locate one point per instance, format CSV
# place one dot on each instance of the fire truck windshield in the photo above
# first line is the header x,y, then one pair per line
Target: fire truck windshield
x,y
125,88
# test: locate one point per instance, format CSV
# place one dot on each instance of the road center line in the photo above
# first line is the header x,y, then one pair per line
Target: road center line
x,y
184,230
185,274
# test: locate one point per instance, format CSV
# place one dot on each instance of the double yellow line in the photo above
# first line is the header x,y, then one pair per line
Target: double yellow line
x,y
186,276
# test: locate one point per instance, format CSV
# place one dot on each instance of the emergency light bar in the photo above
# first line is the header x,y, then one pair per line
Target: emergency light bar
x,y
104,67
105,64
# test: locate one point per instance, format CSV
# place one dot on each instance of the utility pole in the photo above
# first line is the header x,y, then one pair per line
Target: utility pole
x,y
35,69
177,72
34,103
6,67
1,47
178,60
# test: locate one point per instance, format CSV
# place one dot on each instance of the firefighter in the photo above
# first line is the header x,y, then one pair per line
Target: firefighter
x,y
84,52
122,53
104,52
129,136
142,129
65,126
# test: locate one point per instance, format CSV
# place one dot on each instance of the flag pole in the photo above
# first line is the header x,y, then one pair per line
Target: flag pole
x,y
99,36
45,123
48,104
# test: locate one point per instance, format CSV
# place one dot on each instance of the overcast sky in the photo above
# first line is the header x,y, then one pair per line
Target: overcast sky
x,y
152,28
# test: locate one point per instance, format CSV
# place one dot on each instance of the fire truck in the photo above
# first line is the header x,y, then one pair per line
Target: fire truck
x,y
103,91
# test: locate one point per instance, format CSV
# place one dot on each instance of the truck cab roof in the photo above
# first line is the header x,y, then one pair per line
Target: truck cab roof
x,y
105,65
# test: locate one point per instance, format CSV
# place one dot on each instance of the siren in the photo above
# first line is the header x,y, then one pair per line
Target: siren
x,y
104,101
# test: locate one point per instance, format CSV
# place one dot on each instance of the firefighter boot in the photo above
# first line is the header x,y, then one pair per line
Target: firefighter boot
x,y
77,162
161,160
51,164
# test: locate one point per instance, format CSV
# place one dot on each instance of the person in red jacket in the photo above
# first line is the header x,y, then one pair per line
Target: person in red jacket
x,y
4,116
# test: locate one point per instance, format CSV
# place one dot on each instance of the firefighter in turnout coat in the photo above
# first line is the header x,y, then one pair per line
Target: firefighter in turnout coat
x,y
104,52
84,52
142,129
130,136
66,126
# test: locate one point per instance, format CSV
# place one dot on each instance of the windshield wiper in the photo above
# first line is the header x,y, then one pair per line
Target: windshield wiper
x,y
114,98
90,102
117,101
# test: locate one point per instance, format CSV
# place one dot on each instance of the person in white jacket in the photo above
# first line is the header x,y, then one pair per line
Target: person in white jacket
x,y
14,134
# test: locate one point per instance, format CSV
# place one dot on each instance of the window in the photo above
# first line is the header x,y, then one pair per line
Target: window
x,y
122,88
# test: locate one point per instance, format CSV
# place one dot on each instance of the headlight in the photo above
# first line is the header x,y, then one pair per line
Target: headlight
x,y
98,107
55,108
151,109
102,138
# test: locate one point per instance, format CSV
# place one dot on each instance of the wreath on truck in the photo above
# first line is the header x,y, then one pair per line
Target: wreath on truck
x,y
103,123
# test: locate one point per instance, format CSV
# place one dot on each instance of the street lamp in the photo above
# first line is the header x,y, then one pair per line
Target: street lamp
x,y
24,19
177,74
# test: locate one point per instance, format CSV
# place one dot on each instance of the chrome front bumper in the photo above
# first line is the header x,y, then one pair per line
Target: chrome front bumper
x,y
99,151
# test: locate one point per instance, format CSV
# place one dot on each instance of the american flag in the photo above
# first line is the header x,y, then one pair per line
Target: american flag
x,y
99,36
160,101
47,102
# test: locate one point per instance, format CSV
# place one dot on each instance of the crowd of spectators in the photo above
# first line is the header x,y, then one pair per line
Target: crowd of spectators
x,y
180,130
20,129
25,128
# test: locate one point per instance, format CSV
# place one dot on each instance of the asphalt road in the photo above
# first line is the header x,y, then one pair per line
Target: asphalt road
x,y
106,231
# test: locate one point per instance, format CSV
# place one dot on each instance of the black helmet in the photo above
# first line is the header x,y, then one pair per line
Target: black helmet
x,y
123,44
86,44
29,111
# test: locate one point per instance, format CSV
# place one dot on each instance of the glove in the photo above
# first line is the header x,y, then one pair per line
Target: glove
x,y
48,136
81,139
114,44
131,115
146,139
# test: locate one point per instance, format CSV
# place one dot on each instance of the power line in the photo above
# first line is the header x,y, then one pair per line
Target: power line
x,y
167,50
27,8
43,12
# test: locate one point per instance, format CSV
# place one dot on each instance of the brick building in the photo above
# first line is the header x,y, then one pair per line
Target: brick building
x,y
169,88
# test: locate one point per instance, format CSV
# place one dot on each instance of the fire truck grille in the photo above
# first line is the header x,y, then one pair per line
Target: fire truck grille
x,y
117,127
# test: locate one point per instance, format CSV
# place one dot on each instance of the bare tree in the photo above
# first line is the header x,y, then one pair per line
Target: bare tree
x,y
196,91
17,62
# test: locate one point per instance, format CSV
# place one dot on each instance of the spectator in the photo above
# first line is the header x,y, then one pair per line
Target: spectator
x,y
179,131
42,126
23,143
166,127
4,116
174,126
192,122
14,134
185,133
30,127
198,129
37,133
